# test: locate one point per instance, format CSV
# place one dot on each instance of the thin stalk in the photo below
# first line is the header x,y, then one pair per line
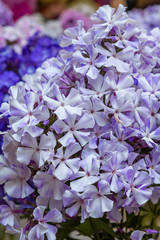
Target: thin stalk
x,y
94,229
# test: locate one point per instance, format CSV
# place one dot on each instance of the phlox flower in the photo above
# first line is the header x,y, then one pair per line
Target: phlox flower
x,y
38,231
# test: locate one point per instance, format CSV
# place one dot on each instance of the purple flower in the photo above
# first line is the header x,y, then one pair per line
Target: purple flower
x,y
137,235
99,203
38,231
136,186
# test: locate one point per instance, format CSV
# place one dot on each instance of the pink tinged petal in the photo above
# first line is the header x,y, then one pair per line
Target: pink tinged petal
x,y
51,234
137,235
142,195
53,216
67,139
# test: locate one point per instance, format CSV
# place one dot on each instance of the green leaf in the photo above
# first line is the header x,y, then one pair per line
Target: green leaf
x,y
85,228
101,225
66,229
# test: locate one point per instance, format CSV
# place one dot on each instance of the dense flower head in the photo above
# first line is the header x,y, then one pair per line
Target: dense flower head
x,y
69,18
17,35
84,137
148,18
14,66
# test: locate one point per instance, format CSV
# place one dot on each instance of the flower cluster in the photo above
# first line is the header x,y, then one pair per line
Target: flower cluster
x,y
17,35
5,15
69,18
13,66
84,138
148,18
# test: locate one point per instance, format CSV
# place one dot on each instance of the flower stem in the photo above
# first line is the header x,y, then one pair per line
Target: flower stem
x,y
94,229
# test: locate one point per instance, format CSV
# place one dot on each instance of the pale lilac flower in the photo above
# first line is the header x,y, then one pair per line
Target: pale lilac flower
x,y
15,178
38,231
119,107
10,214
27,113
63,162
89,61
74,201
95,108
74,129
89,175
99,203
31,150
117,59
114,169
64,105
107,18
136,186
153,166
45,181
